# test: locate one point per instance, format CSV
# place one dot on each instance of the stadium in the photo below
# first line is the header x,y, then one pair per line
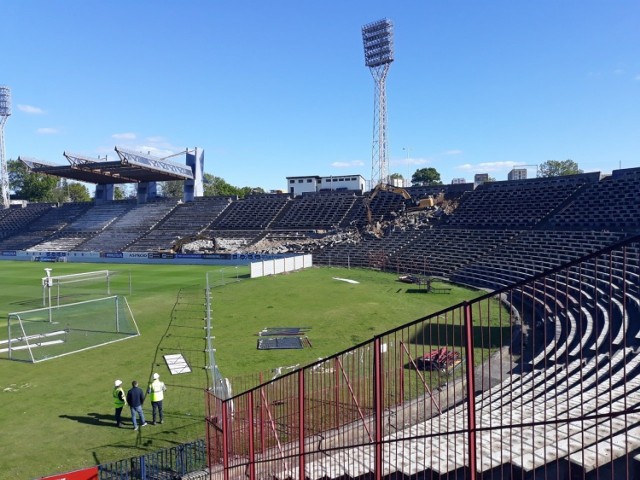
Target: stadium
x,y
534,376
485,330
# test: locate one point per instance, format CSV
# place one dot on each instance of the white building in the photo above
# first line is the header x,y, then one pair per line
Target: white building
x,y
299,185
313,183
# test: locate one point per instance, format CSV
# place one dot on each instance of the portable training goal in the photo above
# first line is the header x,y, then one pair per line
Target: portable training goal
x,y
57,289
58,330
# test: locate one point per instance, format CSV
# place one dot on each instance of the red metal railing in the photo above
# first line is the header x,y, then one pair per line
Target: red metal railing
x,y
539,379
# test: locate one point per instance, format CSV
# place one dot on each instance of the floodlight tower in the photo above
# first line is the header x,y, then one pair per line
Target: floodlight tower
x,y
377,38
5,112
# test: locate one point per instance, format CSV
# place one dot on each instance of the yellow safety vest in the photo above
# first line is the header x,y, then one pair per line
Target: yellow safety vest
x,y
117,398
156,389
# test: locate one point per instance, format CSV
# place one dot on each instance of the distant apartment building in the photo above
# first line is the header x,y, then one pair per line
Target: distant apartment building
x,y
480,178
517,174
458,181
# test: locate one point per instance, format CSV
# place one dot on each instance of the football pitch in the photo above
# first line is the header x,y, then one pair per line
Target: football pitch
x,y
57,415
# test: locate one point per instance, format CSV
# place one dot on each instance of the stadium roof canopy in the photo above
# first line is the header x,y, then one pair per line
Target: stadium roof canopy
x,y
132,167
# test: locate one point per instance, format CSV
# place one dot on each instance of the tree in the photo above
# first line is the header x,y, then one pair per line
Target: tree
x,y
426,176
119,192
393,176
34,187
77,192
556,168
172,189
218,186
66,191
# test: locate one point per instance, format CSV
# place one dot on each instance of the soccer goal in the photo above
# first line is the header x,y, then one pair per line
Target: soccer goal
x,y
58,330
57,289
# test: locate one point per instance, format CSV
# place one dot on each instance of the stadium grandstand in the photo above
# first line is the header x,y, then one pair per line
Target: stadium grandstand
x,y
538,378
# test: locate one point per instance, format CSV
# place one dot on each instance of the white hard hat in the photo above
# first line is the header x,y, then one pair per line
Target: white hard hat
x,y
117,383
156,376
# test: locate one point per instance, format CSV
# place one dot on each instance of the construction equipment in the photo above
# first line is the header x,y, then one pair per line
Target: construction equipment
x,y
411,204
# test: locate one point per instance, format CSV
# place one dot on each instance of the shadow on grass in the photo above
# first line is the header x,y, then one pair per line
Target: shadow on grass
x,y
98,419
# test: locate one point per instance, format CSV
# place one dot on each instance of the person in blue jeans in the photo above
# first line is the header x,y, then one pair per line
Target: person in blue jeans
x,y
135,399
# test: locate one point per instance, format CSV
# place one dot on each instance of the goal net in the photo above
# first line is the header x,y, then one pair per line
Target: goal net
x,y
59,289
51,332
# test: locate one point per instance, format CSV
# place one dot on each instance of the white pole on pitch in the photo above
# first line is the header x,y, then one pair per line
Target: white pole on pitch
x,y
9,333
210,356
117,315
49,282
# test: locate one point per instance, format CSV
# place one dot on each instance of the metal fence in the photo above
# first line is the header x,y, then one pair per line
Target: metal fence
x,y
538,380
168,464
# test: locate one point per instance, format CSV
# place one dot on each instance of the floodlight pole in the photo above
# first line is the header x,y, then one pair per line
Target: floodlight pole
x,y
377,39
408,182
5,112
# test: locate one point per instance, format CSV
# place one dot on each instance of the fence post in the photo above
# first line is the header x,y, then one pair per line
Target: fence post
x,y
143,468
336,368
301,424
252,451
471,395
378,407
181,460
225,440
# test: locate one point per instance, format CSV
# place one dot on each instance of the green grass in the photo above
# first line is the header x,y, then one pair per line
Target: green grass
x,y
58,415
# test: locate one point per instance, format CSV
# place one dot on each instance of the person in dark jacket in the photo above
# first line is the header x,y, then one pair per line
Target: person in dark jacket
x,y
135,399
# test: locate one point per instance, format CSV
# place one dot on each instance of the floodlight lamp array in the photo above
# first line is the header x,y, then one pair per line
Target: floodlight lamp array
x,y
5,101
377,38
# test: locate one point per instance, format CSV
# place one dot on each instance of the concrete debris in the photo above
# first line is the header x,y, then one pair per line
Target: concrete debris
x,y
304,243
307,242
198,246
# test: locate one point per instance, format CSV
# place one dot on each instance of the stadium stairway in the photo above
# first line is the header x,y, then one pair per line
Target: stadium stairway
x,y
568,408
45,226
538,445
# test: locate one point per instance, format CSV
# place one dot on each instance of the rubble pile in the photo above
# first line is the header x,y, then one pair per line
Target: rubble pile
x,y
307,242
198,246
274,243
416,220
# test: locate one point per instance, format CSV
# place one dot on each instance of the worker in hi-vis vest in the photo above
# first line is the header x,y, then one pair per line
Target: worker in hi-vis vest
x,y
119,401
156,390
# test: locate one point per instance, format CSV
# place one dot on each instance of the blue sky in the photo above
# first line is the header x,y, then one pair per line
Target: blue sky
x,y
277,88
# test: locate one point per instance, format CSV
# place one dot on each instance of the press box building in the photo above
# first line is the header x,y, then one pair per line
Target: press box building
x,y
297,186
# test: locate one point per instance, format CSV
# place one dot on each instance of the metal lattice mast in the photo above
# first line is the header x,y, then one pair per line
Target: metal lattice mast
x,y
5,112
377,39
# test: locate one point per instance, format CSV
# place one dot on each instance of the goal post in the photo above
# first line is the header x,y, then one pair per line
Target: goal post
x,y
57,289
51,332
